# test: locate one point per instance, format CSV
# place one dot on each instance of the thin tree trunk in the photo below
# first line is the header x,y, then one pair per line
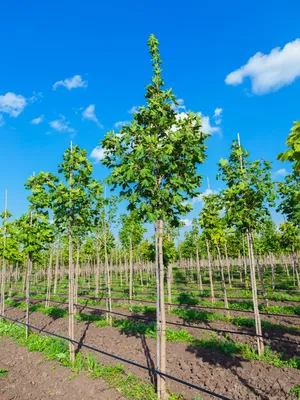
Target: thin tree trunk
x,y
228,266
169,281
260,343
130,270
199,270
261,278
223,280
163,389
29,268
49,279
71,295
212,294
56,271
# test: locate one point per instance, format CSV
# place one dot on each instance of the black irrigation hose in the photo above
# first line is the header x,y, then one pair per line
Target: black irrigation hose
x,y
155,371
190,290
138,317
196,306
119,299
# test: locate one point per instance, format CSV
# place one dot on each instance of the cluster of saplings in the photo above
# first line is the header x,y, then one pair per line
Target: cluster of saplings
x,y
155,163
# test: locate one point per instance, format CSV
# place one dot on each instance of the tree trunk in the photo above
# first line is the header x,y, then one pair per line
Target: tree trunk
x,y
71,296
130,270
97,271
261,278
199,270
223,280
260,343
169,280
163,389
228,266
212,294
56,271
49,279
29,267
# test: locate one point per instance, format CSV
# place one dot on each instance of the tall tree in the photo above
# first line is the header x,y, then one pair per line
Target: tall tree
x,y
247,198
131,235
154,160
214,231
70,200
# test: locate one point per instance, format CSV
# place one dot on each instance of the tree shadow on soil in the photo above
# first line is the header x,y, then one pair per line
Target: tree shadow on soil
x,y
83,336
225,361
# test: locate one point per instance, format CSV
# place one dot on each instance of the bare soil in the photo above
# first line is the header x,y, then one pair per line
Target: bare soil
x,y
228,375
30,376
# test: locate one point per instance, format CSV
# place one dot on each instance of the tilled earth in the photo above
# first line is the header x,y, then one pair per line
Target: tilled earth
x,y
228,375
30,376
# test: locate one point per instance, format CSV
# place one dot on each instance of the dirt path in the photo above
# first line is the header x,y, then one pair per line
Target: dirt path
x,y
30,376
230,376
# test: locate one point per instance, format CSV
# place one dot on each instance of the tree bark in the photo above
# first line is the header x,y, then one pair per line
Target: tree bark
x,y
260,343
163,389
212,294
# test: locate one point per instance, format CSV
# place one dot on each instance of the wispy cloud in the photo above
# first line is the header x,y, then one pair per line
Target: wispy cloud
x,y
207,192
119,124
269,72
71,83
280,172
133,110
97,154
180,105
2,122
38,120
218,115
61,125
187,222
89,114
12,104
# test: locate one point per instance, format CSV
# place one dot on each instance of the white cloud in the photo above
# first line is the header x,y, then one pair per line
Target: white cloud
x,y
12,104
187,222
133,110
119,124
218,115
207,192
180,105
35,97
207,127
98,153
218,112
89,113
280,172
71,83
38,120
269,72
61,125
2,122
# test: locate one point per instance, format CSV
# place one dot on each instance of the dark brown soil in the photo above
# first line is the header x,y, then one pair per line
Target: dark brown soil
x,y
30,376
230,376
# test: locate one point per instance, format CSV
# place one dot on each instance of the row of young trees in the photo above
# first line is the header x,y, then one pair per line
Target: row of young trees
x,y
154,162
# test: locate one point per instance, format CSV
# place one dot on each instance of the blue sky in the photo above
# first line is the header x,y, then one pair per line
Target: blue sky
x,y
60,59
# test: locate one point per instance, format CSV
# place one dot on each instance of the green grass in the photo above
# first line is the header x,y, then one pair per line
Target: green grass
x,y
202,316
129,385
296,391
3,372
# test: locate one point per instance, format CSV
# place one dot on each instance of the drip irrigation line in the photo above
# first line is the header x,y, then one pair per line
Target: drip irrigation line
x,y
152,370
185,305
183,288
141,318
196,306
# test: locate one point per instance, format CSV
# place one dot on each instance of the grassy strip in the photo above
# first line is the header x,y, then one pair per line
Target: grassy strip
x,y
127,384
211,341
201,316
